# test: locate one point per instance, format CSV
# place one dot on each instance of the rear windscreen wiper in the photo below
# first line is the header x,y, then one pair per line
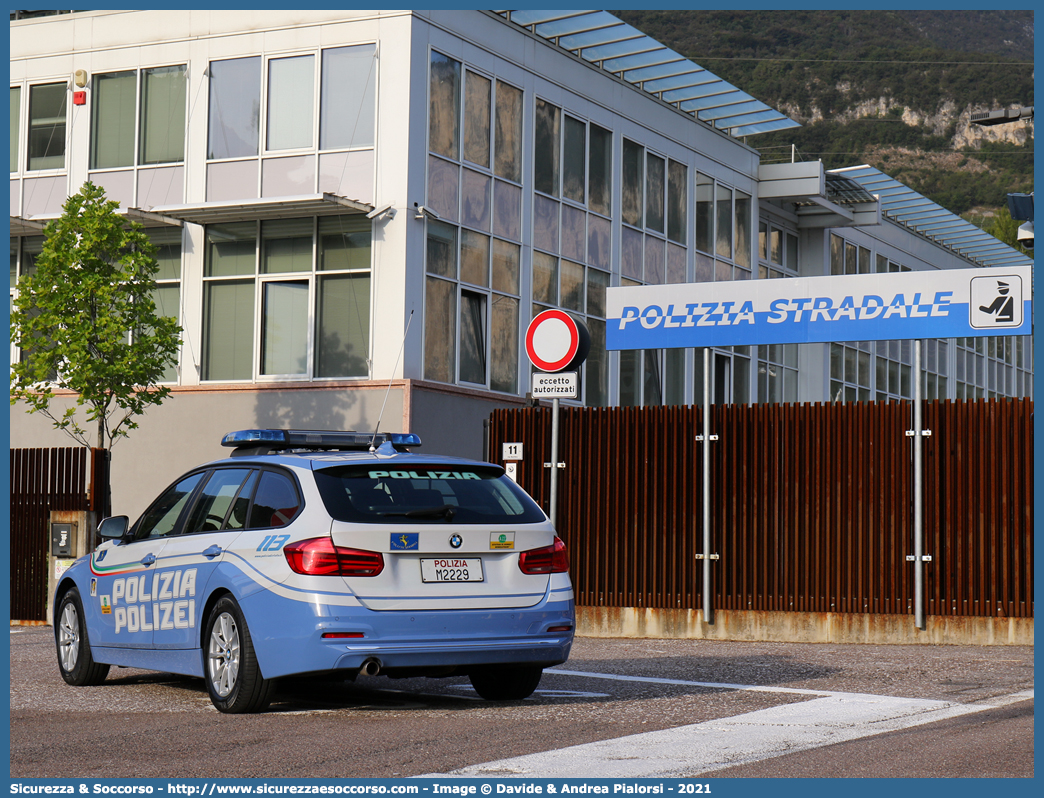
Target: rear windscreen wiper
x,y
447,511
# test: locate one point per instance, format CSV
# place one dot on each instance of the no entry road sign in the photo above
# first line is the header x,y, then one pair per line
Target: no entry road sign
x,y
555,341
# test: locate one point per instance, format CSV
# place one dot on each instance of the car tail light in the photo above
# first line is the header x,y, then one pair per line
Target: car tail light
x,y
320,557
553,559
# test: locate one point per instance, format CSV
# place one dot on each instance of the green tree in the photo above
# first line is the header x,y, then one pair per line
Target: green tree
x,y
1006,229
86,322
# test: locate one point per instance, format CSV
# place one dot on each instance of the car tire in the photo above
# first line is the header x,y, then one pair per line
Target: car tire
x,y
75,661
506,682
230,667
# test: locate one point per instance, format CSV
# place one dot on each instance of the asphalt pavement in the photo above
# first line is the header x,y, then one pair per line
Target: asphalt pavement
x,y
707,709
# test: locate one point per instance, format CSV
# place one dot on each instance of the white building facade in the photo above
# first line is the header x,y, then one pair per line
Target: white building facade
x,y
359,212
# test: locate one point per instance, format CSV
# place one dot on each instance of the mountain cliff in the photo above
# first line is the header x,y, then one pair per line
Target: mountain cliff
x,y
894,89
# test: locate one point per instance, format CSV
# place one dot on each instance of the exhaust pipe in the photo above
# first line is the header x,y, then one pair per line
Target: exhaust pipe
x,y
371,667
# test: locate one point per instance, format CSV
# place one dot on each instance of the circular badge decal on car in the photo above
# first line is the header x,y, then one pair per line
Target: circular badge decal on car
x,y
456,541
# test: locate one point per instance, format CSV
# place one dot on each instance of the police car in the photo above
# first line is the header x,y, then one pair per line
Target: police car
x,y
323,552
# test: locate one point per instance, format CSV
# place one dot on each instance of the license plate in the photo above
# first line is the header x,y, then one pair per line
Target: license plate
x,y
451,569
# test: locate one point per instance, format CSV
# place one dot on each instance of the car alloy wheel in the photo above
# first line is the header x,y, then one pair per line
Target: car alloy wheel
x,y
75,662
223,655
69,637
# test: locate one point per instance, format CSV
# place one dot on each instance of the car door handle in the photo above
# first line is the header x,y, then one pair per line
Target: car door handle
x,y
212,551
148,559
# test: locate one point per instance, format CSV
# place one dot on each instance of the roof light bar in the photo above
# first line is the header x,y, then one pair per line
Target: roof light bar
x,y
272,439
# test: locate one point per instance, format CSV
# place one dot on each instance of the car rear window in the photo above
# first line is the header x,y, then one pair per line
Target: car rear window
x,y
436,494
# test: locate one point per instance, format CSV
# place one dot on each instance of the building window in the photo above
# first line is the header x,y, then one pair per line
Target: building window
x,y
167,294
654,239
777,363
723,221
994,366
163,95
46,140
291,103
729,377
16,114
473,256
850,372
348,97
287,298
154,128
24,252
935,369
777,252
572,230
345,118
777,373
849,258
235,108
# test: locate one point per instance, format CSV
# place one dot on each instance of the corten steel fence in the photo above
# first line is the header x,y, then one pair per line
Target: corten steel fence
x,y
812,505
43,480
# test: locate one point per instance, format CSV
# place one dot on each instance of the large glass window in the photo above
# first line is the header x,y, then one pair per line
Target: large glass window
x,y
986,368
508,133
473,255
444,108
600,170
477,121
291,96
47,110
112,119
309,280
777,252
163,93
655,199
235,108
154,128
547,149
345,117
349,95
571,231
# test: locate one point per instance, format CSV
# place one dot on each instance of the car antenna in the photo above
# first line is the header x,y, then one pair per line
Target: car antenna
x,y
402,346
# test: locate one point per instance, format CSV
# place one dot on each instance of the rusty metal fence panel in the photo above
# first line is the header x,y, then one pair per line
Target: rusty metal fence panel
x,y
43,480
812,505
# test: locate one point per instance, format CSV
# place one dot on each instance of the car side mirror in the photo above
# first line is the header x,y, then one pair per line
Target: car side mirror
x,y
113,528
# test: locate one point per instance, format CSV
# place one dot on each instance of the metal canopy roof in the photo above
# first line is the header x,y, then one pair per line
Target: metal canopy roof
x,y
905,206
611,44
249,210
25,226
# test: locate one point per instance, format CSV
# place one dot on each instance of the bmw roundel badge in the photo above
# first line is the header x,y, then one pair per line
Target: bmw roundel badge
x,y
456,541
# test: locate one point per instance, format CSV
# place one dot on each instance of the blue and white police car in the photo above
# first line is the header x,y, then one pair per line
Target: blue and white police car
x,y
323,552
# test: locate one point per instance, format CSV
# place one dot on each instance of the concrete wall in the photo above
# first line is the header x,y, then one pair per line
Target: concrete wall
x,y
187,429
801,627
449,420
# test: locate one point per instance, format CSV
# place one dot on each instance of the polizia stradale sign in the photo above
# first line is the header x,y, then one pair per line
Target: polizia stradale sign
x,y
954,303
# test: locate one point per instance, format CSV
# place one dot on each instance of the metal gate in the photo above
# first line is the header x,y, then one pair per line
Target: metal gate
x,y
43,480
811,505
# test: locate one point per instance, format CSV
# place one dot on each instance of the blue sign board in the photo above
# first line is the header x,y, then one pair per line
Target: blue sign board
x,y
954,303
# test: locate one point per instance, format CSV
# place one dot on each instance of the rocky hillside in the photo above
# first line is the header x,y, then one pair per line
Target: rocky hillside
x,y
890,88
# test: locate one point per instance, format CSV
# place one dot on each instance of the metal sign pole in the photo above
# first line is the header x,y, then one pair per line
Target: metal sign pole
x,y
708,615
706,437
918,435
554,458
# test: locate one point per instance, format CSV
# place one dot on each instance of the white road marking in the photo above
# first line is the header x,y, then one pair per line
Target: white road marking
x,y
829,717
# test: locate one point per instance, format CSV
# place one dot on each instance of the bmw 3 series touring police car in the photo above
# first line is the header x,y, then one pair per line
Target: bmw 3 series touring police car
x,y
323,552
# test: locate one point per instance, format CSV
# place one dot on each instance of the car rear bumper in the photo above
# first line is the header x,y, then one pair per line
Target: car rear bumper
x,y
288,637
